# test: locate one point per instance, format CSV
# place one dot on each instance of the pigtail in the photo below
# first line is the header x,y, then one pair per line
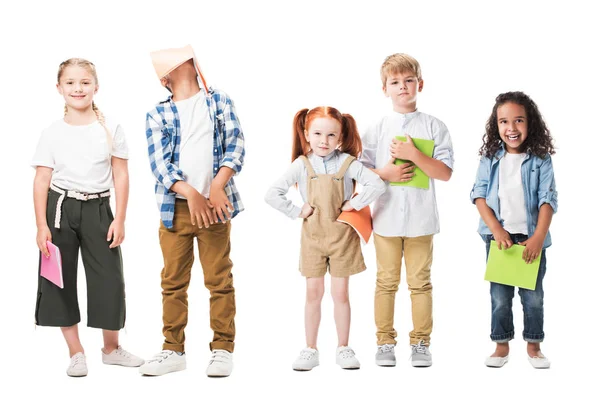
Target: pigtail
x,y
299,144
102,121
351,143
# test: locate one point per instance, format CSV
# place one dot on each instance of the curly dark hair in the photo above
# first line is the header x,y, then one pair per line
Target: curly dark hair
x,y
538,141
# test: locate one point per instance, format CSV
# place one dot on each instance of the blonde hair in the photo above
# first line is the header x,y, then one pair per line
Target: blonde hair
x,y
400,63
91,68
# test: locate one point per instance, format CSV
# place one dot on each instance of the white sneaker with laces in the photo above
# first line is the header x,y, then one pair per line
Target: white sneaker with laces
x,y
307,360
120,356
221,364
78,366
346,358
162,363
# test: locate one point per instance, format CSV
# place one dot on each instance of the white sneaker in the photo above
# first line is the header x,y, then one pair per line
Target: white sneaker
x,y
78,366
120,356
164,362
221,363
539,362
346,358
307,360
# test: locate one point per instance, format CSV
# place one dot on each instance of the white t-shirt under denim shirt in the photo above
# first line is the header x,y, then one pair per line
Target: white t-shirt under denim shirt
x,y
406,211
79,154
373,186
196,146
511,195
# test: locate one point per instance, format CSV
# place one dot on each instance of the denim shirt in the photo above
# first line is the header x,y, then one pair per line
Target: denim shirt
x,y
539,187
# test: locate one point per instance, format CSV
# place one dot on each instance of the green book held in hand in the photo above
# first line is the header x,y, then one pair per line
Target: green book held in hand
x,y
420,180
508,267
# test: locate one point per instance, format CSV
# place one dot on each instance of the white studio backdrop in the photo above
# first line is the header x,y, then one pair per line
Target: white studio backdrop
x,y
274,58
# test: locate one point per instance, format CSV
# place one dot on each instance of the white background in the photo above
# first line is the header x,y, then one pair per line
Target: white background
x,y
274,59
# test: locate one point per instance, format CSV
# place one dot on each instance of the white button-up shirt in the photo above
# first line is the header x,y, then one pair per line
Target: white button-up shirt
x,y
406,211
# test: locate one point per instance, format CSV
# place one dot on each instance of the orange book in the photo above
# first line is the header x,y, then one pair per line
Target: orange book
x,y
360,221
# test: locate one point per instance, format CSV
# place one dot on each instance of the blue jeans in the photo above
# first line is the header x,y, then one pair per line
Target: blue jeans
x,y
532,300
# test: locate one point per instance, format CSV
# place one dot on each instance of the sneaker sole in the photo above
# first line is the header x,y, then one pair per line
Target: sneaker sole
x,y
123,364
77,375
218,375
304,369
174,368
421,364
385,363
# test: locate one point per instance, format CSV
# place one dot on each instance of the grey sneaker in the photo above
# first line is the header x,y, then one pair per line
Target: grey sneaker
x,y
421,357
385,356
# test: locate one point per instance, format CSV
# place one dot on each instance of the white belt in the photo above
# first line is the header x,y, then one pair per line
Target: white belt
x,y
74,195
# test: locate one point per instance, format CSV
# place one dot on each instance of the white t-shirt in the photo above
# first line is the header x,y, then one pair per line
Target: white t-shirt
x,y
79,154
197,142
510,192
406,211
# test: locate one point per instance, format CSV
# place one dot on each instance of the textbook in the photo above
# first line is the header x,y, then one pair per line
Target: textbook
x,y
360,221
508,267
420,180
51,267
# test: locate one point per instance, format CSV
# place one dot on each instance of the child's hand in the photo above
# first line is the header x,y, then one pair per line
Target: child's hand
x,y
116,232
502,239
222,205
306,211
533,248
398,173
403,150
43,235
346,206
201,210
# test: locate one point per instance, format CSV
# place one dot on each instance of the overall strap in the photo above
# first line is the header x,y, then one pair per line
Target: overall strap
x,y
340,174
309,168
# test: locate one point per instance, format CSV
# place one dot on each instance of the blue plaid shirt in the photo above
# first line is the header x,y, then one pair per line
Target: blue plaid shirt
x,y
163,131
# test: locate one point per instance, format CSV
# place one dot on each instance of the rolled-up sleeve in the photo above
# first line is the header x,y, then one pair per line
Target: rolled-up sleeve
x,y
481,180
234,139
160,153
442,150
547,186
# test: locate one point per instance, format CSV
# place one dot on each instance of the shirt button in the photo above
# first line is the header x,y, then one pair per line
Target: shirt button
x,y
215,150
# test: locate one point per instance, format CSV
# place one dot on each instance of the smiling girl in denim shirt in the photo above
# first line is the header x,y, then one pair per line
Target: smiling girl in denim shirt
x,y
516,197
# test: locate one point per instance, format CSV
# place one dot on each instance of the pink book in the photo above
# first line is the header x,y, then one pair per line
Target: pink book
x,y
52,266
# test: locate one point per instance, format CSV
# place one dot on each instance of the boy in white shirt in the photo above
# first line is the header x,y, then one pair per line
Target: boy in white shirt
x,y
405,218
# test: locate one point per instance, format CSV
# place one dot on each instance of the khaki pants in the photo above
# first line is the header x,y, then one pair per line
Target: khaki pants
x,y
418,255
178,251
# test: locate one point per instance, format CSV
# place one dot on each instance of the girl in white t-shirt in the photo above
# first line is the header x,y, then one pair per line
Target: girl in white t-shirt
x,y
515,194
78,160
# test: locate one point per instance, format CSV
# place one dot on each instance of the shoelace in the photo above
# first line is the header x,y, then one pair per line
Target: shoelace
x,y
419,348
306,354
78,359
219,356
386,348
347,353
160,357
122,352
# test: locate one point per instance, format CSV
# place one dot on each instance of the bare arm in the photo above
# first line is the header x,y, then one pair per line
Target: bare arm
x,y
116,231
41,184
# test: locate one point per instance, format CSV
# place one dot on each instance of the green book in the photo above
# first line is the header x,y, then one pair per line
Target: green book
x,y
420,180
509,268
